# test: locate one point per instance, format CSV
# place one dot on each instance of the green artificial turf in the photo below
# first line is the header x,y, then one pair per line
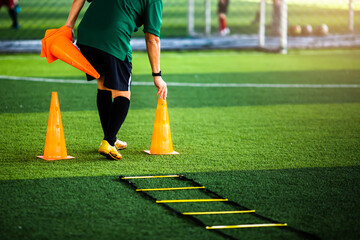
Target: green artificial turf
x,y
90,207
104,208
270,137
292,154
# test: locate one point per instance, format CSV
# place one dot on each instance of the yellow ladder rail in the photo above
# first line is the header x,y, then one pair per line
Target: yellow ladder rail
x,y
248,226
192,200
218,212
168,189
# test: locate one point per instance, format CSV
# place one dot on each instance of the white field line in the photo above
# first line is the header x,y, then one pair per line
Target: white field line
x,y
240,85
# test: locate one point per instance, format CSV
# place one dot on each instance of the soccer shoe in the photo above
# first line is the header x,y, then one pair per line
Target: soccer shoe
x,y
109,151
225,32
120,144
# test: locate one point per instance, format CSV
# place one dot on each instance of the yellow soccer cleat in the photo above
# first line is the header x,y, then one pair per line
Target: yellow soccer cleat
x,y
109,151
120,144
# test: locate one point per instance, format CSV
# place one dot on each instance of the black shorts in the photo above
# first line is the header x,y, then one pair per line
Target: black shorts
x,y
117,73
223,6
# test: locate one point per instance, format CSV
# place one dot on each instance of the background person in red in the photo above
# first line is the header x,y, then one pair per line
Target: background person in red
x,y
14,9
222,11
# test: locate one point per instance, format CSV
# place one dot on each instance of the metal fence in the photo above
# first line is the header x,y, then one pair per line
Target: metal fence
x,y
199,18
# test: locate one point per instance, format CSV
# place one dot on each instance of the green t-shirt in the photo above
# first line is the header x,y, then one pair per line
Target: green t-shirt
x,y
109,24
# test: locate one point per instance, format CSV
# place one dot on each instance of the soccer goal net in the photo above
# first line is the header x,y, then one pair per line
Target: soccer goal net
x,y
277,24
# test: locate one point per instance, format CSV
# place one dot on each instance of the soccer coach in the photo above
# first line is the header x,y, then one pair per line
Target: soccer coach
x,y
104,36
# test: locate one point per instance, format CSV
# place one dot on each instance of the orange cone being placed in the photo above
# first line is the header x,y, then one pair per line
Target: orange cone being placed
x,y
57,44
161,142
55,148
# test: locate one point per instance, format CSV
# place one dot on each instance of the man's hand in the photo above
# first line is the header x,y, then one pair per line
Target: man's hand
x,y
161,87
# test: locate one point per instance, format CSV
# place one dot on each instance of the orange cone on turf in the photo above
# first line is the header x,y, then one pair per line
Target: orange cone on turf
x,y
57,44
161,142
55,148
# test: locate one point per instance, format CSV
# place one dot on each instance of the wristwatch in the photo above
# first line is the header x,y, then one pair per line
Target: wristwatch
x,y
157,74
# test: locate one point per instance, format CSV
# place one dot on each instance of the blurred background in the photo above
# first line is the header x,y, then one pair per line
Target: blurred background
x,y
309,23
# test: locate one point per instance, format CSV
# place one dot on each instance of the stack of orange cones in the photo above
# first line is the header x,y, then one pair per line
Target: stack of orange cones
x,y
55,147
161,143
57,44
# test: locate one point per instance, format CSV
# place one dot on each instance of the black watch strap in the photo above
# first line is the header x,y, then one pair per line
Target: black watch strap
x,y
156,74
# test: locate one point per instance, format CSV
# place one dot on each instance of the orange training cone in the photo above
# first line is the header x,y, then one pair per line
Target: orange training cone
x,y
55,148
161,142
57,44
